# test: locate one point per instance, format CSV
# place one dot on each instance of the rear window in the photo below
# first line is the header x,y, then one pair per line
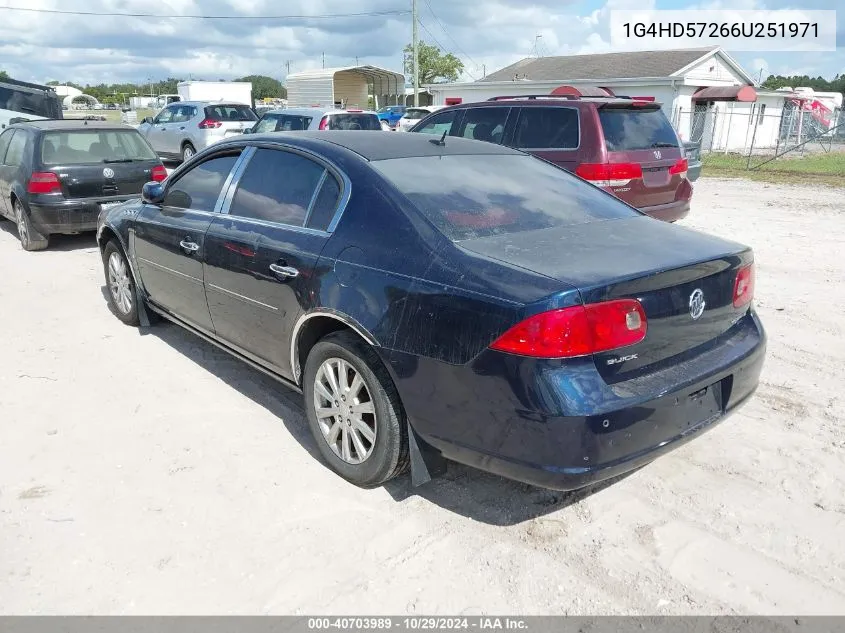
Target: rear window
x,y
232,112
350,121
93,146
282,123
630,129
471,196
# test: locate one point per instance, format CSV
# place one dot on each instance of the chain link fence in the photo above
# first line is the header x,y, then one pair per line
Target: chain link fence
x,y
760,133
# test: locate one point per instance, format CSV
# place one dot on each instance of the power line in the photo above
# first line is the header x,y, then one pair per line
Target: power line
x,y
439,45
449,35
324,16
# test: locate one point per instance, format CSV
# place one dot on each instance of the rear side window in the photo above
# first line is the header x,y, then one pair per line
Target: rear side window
x,y
325,204
439,123
5,139
484,124
282,123
233,112
277,186
471,196
632,129
546,128
14,155
416,113
83,147
351,121
200,187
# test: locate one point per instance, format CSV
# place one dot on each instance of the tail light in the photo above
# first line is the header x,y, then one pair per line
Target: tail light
x,y
744,286
576,331
159,173
609,174
44,182
209,124
324,123
680,168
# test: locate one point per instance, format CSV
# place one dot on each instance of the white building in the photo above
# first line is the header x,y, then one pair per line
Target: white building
x,y
71,96
706,94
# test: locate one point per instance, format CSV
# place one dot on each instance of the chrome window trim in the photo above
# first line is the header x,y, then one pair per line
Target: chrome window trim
x,y
321,312
243,298
314,195
170,270
547,149
228,190
328,165
278,225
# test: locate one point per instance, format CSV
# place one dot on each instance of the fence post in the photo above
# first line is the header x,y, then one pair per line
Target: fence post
x,y
751,149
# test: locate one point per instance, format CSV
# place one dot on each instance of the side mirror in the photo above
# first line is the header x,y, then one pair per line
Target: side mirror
x,y
249,130
153,193
148,120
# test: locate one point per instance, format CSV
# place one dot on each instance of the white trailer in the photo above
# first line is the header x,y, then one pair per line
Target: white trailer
x,y
234,91
347,87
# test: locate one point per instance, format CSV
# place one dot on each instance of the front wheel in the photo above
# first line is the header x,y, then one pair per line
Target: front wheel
x,y
188,152
121,284
354,411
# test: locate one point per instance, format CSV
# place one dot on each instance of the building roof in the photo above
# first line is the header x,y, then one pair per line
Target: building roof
x,y
367,71
378,145
603,66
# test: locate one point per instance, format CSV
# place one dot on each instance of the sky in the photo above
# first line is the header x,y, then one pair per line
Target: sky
x,y
485,34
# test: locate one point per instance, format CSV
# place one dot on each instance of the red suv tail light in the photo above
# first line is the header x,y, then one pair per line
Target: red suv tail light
x,y
209,124
609,174
44,182
680,168
576,331
744,286
324,123
159,173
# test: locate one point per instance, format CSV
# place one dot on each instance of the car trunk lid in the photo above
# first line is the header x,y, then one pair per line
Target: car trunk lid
x,y
669,270
104,179
228,119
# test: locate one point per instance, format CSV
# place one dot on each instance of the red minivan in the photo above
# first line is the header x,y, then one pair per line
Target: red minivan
x,y
623,145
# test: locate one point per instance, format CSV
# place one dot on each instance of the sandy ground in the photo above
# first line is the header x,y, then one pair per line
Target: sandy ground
x,y
147,472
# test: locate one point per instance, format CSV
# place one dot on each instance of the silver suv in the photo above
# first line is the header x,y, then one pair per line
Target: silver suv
x,y
289,119
182,129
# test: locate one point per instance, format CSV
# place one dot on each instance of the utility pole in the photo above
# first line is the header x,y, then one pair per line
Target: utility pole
x,y
483,70
416,46
356,61
324,59
287,66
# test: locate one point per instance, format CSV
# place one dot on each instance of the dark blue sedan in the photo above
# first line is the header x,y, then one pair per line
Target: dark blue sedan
x,y
444,298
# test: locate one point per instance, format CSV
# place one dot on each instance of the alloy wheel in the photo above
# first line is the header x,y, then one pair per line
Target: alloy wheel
x,y
23,231
345,410
120,283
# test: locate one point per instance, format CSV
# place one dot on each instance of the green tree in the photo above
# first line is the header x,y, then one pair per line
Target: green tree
x,y
4,74
773,82
263,86
435,67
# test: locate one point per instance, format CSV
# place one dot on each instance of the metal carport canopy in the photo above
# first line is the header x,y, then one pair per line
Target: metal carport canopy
x,y
384,77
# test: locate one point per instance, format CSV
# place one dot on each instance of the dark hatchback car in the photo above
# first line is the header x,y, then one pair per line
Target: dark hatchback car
x,y
625,146
56,176
464,296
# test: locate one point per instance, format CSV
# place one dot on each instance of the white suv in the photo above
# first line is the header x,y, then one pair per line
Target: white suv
x,y
291,119
412,116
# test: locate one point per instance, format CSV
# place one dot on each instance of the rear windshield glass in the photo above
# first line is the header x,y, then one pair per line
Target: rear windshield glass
x,y
348,121
282,123
470,196
629,129
230,113
416,113
93,146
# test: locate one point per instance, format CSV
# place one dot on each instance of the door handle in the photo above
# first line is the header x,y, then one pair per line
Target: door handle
x,y
288,272
191,247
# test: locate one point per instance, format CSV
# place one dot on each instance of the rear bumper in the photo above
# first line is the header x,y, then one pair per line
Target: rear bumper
x,y
68,216
558,425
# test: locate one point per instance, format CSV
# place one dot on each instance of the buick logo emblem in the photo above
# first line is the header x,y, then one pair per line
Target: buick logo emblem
x,y
108,172
657,154
696,303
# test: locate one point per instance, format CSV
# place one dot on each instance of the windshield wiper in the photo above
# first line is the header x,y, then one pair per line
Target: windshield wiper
x,y
119,160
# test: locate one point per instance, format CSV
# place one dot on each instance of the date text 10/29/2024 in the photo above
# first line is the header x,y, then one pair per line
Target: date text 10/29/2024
x,y
417,624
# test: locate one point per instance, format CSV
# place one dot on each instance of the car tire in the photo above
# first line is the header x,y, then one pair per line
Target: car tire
x,y
120,284
188,151
366,458
31,239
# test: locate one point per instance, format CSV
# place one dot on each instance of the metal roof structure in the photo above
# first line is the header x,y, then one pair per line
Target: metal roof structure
x,y
383,81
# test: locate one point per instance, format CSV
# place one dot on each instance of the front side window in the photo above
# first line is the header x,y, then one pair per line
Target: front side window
x,y
277,186
199,188
165,116
484,124
439,124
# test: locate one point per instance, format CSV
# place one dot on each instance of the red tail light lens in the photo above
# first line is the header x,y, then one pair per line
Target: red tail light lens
x,y
744,286
609,174
324,123
44,182
159,173
680,168
209,124
576,331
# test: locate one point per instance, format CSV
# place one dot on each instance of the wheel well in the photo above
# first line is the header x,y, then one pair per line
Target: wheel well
x,y
311,332
187,142
107,235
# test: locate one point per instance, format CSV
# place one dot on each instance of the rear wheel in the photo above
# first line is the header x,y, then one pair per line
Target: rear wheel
x,y
121,284
354,411
31,239
188,152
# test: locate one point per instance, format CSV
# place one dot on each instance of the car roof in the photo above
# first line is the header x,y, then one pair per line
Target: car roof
x,y
72,124
379,145
316,111
550,101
